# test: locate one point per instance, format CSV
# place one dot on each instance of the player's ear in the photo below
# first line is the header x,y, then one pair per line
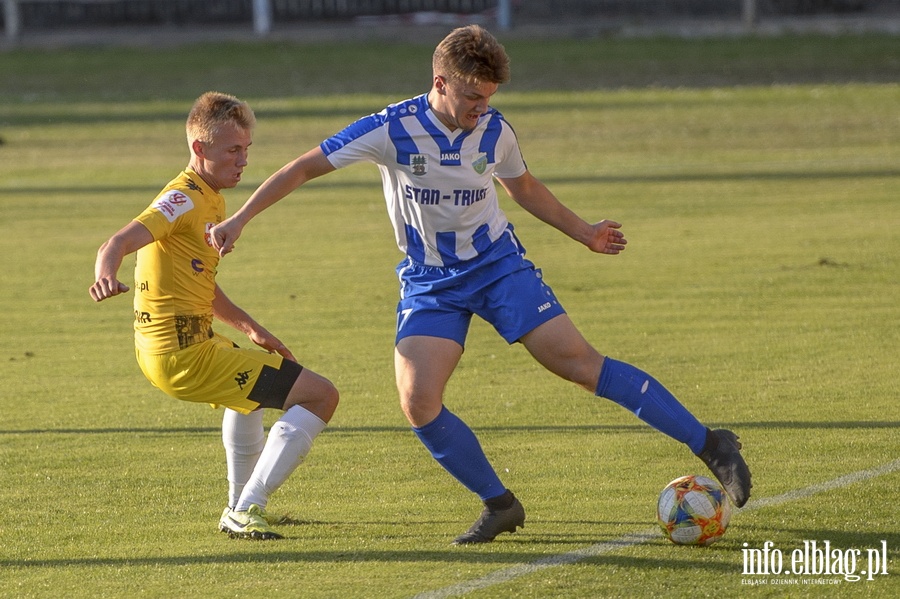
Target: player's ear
x,y
198,148
440,84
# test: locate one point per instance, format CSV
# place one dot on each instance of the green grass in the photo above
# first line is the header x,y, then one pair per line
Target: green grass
x,y
760,284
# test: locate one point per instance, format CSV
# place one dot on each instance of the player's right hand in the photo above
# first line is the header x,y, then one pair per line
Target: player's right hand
x,y
107,287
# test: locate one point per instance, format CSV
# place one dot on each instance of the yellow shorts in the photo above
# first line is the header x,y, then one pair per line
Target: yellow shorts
x,y
218,372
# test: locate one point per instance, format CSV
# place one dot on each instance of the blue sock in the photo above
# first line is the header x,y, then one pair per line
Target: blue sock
x,y
453,444
639,392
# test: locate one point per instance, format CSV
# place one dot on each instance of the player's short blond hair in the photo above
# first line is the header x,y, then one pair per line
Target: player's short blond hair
x,y
471,54
213,110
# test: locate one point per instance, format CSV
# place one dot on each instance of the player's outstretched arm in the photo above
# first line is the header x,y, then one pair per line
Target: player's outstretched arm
x,y
527,191
291,176
130,238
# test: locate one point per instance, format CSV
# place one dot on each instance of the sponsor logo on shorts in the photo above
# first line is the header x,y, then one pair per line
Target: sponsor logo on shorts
x,y
242,378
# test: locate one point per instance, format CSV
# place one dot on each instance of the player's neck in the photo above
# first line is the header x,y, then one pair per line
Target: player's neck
x,y
203,174
434,100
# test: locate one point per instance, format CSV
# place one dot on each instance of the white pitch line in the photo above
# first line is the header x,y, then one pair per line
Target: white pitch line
x,y
638,538
837,483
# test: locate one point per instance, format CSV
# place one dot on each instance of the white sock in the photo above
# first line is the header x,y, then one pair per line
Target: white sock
x,y
290,440
244,438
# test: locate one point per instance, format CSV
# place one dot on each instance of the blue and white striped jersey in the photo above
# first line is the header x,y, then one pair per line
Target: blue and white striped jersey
x,y
437,184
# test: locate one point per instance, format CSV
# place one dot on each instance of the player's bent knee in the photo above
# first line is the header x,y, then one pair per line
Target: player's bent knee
x,y
315,393
330,397
419,411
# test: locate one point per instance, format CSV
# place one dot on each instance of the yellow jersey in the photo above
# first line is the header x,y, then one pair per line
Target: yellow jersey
x,y
175,276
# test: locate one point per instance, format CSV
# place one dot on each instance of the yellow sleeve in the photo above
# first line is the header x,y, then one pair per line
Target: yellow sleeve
x,y
162,216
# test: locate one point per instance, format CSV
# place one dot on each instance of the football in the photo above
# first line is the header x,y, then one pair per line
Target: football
x,y
693,510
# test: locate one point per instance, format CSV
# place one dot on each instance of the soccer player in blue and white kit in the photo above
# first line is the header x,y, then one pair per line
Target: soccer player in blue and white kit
x,y
439,154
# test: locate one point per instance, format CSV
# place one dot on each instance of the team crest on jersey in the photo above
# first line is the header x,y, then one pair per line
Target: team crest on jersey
x,y
480,163
173,204
418,163
207,234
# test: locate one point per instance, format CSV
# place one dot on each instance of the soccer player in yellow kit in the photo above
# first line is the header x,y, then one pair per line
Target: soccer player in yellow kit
x,y
177,299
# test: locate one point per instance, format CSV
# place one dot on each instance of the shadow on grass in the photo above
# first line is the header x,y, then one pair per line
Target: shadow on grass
x,y
464,555
554,180
537,428
271,552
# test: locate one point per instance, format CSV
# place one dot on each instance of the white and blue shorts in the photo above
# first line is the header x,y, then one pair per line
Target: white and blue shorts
x,y
499,285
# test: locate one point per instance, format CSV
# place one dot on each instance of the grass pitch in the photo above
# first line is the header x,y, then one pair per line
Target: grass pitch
x,y
760,284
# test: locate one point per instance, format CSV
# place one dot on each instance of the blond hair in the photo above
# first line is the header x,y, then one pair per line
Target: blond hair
x,y
471,54
213,110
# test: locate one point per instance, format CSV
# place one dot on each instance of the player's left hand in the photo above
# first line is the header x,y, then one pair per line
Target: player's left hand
x,y
270,343
607,239
224,235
